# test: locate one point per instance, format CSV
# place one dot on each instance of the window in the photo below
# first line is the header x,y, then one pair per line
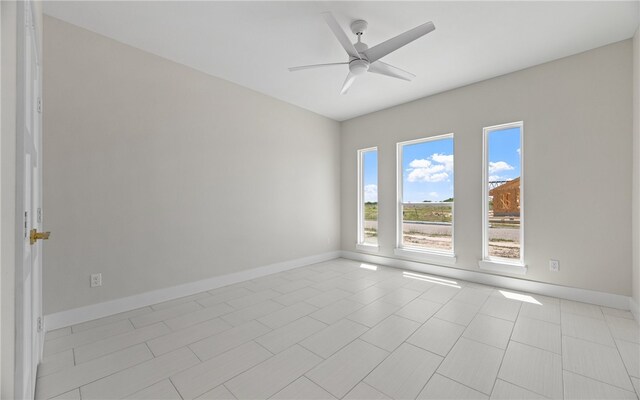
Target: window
x,y
368,197
503,195
425,195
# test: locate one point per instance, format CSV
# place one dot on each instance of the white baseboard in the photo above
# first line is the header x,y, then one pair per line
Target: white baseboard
x,y
545,289
82,314
635,308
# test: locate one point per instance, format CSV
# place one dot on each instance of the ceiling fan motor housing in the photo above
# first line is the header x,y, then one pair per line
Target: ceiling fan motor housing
x,y
358,67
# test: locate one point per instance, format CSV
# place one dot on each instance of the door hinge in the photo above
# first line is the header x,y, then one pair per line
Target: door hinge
x,y
39,215
39,105
39,324
26,218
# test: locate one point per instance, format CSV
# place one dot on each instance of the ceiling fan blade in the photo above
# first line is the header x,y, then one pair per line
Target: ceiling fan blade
x,y
341,35
293,69
378,51
381,68
347,83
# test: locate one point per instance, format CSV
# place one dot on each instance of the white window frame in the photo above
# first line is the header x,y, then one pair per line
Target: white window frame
x,y
492,263
360,244
422,254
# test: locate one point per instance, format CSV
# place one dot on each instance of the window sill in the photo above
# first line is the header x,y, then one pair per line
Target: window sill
x,y
438,258
503,267
367,247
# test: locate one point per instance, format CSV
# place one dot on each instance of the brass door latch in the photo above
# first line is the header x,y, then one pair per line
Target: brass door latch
x,y
34,236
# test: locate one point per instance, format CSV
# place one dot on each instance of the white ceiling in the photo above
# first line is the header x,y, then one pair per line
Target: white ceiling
x,y
253,43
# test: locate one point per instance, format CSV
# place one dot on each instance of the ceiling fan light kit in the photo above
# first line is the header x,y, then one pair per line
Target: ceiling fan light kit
x,y
364,59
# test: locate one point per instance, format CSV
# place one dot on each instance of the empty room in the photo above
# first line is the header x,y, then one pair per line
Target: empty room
x,y
320,200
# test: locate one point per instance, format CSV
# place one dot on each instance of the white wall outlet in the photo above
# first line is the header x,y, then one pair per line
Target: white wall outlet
x,y
554,265
96,280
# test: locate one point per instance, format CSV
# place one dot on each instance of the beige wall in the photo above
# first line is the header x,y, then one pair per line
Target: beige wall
x,y
577,146
636,174
157,175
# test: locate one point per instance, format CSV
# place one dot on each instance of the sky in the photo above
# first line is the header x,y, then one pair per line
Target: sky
x,y
427,167
370,168
504,154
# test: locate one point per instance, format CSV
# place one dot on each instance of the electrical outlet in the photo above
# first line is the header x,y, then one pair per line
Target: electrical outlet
x,y
554,265
96,280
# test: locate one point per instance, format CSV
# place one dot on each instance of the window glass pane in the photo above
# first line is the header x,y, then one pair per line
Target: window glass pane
x,y
503,190
370,197
427,195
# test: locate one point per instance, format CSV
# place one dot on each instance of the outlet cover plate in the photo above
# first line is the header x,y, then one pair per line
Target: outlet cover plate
x,y
554,265
96,280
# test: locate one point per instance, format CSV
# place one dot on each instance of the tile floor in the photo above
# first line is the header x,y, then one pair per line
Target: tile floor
x,y
346,330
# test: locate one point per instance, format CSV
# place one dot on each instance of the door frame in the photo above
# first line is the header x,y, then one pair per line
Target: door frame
x,y
27,29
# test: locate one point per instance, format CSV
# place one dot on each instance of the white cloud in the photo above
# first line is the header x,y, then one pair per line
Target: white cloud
x,y
371,193
499,166
433,194
434,169
445,159
518,150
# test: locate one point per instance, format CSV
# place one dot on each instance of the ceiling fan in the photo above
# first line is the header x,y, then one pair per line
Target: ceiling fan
x,y
362,58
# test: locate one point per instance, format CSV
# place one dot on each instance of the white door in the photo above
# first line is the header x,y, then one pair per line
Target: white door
x,y
29,332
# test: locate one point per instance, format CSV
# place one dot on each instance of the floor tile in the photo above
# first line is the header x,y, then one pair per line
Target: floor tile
x,y
373,313
440,293
534,369
614,312
390,333
624,329
578,308
369,295
578,387
187,336
630,353
269,377
341,372
56,362
404,373
160,315
303,388
593,360
208,375
266,283
508,391
437,336
440,388
110,319
112,344
162,390
543,312
297,296
226,340
594,330
538,333
220,296
325,298
196,317
86,336
334,337
287,315
292,286
636,384
288,335
180,300
252,299
71,395
134,379
458,312
336,311
362,391
472,296
74,377
489,330
501,308
401,296
355,285
419,310
252,312
56,333
218,393
472,364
